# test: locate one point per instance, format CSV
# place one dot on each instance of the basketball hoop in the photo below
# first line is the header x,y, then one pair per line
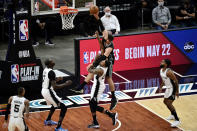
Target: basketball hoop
x,y
67,15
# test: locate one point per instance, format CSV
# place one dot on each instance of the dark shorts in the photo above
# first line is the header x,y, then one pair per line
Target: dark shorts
x,y
110,70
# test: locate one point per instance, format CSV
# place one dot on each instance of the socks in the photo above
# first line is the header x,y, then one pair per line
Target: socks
x,y
82,86
113,94
108,113
175,115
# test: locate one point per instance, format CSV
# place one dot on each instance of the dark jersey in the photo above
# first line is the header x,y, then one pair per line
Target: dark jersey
x,y
111,45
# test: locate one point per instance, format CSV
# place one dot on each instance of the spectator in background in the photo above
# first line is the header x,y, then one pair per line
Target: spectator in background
x,y
185,14
110,22
144,11
42,27
161,16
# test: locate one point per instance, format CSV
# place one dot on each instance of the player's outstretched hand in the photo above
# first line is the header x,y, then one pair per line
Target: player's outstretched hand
x,y
68,83
59,79
5,124
88,67
96,16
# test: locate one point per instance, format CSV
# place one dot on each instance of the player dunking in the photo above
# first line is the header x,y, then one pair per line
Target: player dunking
x,y
96,92
48,86
172,89
106,46
18,105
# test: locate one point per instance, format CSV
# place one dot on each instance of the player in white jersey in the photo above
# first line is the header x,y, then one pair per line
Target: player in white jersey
x,y
48,86
19,105
96,92
172,89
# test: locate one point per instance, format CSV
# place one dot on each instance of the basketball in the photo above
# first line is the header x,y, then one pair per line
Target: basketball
x,y
94,9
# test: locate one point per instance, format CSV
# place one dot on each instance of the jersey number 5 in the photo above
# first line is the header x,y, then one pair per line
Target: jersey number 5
x,y
16,108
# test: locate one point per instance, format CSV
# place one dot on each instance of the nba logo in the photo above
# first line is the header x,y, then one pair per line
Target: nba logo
x,y
23,30
85,57
15,73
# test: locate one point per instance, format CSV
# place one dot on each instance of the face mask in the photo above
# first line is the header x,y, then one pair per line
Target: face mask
x,y
108,13
160,3
161,66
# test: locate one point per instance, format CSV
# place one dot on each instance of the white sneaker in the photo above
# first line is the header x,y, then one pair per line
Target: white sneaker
x,y
171,117
175,123
49,43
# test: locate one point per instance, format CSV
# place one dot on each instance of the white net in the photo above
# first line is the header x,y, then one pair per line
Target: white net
x,y
67,21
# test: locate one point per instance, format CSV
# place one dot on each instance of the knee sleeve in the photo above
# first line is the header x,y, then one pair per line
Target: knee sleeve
x,y
93,105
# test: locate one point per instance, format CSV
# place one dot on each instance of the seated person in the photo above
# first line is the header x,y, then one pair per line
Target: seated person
x,y
42,27
161,16
110,21
185,14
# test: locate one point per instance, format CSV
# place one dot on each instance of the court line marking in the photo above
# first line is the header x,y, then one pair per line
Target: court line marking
x,y
119,125
121,77
149,109
185,75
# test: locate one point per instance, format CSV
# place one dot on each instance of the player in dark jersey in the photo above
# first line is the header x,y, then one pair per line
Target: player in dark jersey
x,y
106,46
172,89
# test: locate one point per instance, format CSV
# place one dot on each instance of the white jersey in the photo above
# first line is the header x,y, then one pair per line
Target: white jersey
x,y
17,106
46,80
99,84
167,81
100,80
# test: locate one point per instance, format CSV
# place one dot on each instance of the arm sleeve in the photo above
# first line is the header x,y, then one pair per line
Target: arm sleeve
x,y
51,75
7,111
96,63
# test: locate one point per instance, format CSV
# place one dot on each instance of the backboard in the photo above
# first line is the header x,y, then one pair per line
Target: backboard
x,y
45,7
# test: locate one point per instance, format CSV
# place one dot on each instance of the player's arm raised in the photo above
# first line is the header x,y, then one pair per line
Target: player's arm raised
x,y
97,71
100,42
171,75
27,108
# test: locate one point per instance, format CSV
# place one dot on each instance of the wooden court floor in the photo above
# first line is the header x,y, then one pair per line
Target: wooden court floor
x,y
132,116
186,107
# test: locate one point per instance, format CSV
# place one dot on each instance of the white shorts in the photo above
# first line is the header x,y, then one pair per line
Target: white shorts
x,y
17,122
51,97
97,92
170,93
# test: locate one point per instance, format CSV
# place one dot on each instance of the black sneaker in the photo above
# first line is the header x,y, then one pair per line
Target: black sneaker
x,y
35,44
114,102
49,43
96,126
114,118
